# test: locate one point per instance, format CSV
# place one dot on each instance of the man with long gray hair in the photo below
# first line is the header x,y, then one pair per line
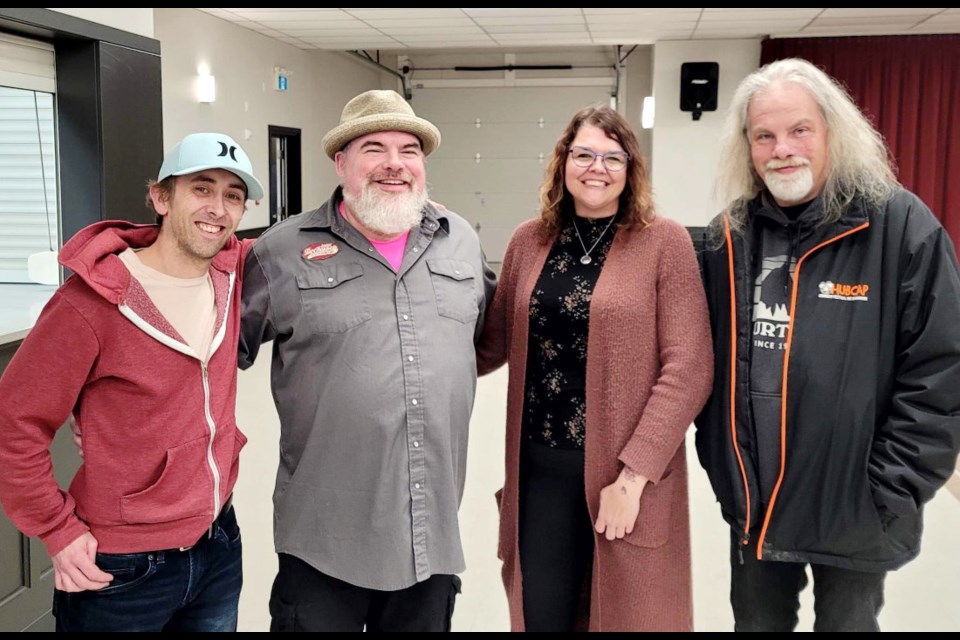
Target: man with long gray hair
x,y
834,296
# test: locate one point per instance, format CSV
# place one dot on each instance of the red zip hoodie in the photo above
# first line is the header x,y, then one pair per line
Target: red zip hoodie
x,y
160,440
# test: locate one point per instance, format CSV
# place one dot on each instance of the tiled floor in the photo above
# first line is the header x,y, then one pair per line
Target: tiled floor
x,y
923,596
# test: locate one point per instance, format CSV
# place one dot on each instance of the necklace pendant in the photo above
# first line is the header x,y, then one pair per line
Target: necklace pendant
x,y
586,260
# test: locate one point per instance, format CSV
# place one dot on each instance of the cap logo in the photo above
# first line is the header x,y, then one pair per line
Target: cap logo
x,y
206,151
320,251
224,149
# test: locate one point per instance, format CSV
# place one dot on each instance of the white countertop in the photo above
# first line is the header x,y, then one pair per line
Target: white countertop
x,y
20,306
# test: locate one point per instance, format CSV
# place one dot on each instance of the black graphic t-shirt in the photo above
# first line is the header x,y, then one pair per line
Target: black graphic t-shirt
x,y
776,260
771,319
555,388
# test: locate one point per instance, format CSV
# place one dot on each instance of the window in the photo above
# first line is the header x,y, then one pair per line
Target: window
x,y
29,204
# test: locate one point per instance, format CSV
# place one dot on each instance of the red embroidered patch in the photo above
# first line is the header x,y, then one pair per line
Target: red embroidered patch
x,y
320,251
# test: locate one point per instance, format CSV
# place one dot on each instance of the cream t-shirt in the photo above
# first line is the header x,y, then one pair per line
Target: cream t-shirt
x,y
187,303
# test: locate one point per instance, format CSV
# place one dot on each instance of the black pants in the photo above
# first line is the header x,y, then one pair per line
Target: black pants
x,y
303,599
556,536
766,595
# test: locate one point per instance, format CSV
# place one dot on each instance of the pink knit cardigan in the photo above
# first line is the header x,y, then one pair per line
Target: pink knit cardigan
x,y
649,372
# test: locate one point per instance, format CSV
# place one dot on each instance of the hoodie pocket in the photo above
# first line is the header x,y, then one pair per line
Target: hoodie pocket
x,y
239,441
183,489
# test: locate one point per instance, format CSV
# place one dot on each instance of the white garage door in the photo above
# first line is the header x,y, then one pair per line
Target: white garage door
x,y
496,145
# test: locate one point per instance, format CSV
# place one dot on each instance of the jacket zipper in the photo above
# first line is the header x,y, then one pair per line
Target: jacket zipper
x,y
783,394
745,537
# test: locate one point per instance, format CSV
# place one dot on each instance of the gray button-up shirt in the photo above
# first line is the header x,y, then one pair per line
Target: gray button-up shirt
x,y
373,374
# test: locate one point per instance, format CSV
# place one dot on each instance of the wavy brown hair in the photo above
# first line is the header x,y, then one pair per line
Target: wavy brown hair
x,y
636,201
166,186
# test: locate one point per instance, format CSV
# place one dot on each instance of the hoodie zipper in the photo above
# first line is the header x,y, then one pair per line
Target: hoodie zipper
x,y
212,425
786,364
163,338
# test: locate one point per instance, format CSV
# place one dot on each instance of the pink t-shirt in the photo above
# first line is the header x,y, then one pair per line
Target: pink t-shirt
x,y
392,250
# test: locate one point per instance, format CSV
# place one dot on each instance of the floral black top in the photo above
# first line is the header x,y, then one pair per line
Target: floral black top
x,y
555,388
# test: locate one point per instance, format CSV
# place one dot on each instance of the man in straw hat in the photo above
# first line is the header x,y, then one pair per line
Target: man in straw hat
x,y
141,345
373,302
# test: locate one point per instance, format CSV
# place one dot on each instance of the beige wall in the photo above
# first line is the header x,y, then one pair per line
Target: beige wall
x,y
243,62
139,21
638,78
686,152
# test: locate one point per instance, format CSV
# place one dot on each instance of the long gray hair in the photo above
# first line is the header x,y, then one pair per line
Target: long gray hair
x,y
858,163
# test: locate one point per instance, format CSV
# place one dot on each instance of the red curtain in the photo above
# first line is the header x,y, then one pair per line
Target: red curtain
x,y
909,86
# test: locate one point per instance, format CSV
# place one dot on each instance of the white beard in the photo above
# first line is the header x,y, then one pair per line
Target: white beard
x,y
388,214
793,188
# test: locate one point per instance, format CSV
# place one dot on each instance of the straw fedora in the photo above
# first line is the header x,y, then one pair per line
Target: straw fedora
x,y
379,110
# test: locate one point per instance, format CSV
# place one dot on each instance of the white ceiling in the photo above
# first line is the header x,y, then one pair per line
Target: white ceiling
x,y
399,29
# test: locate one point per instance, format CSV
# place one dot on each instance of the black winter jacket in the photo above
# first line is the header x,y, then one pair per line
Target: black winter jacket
x,y
870,427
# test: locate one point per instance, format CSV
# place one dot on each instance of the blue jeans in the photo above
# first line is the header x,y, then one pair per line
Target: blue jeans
x,y
169,590
766,594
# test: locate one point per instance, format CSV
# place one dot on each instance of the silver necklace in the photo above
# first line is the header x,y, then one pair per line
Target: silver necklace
x,y
586,259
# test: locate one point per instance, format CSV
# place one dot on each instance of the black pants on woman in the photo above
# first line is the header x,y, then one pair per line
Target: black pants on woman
x,y
556,536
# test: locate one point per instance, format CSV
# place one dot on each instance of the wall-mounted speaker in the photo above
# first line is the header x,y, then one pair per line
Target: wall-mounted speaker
x,y
698,87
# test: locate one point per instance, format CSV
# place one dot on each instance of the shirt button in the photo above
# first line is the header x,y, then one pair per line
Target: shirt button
x,y
416,443
329,279
416,249
414,401
370,249
456,272
416,485
410,358
406,317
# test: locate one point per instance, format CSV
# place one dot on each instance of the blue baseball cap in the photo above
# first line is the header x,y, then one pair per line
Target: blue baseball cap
x,y
201,151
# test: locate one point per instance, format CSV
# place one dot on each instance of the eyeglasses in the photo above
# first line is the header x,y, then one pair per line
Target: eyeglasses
x,y
613,160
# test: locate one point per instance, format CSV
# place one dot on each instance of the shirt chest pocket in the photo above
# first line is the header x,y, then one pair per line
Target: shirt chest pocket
x,y
334,297
455,288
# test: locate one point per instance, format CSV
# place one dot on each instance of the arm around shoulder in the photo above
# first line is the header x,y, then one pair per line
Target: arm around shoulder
x,y
493,347
256,326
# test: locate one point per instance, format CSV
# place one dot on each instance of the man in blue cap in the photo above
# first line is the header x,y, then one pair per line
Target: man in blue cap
x,y
140,344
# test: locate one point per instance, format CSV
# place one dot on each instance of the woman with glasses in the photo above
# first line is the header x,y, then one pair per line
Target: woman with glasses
x,y
601,315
